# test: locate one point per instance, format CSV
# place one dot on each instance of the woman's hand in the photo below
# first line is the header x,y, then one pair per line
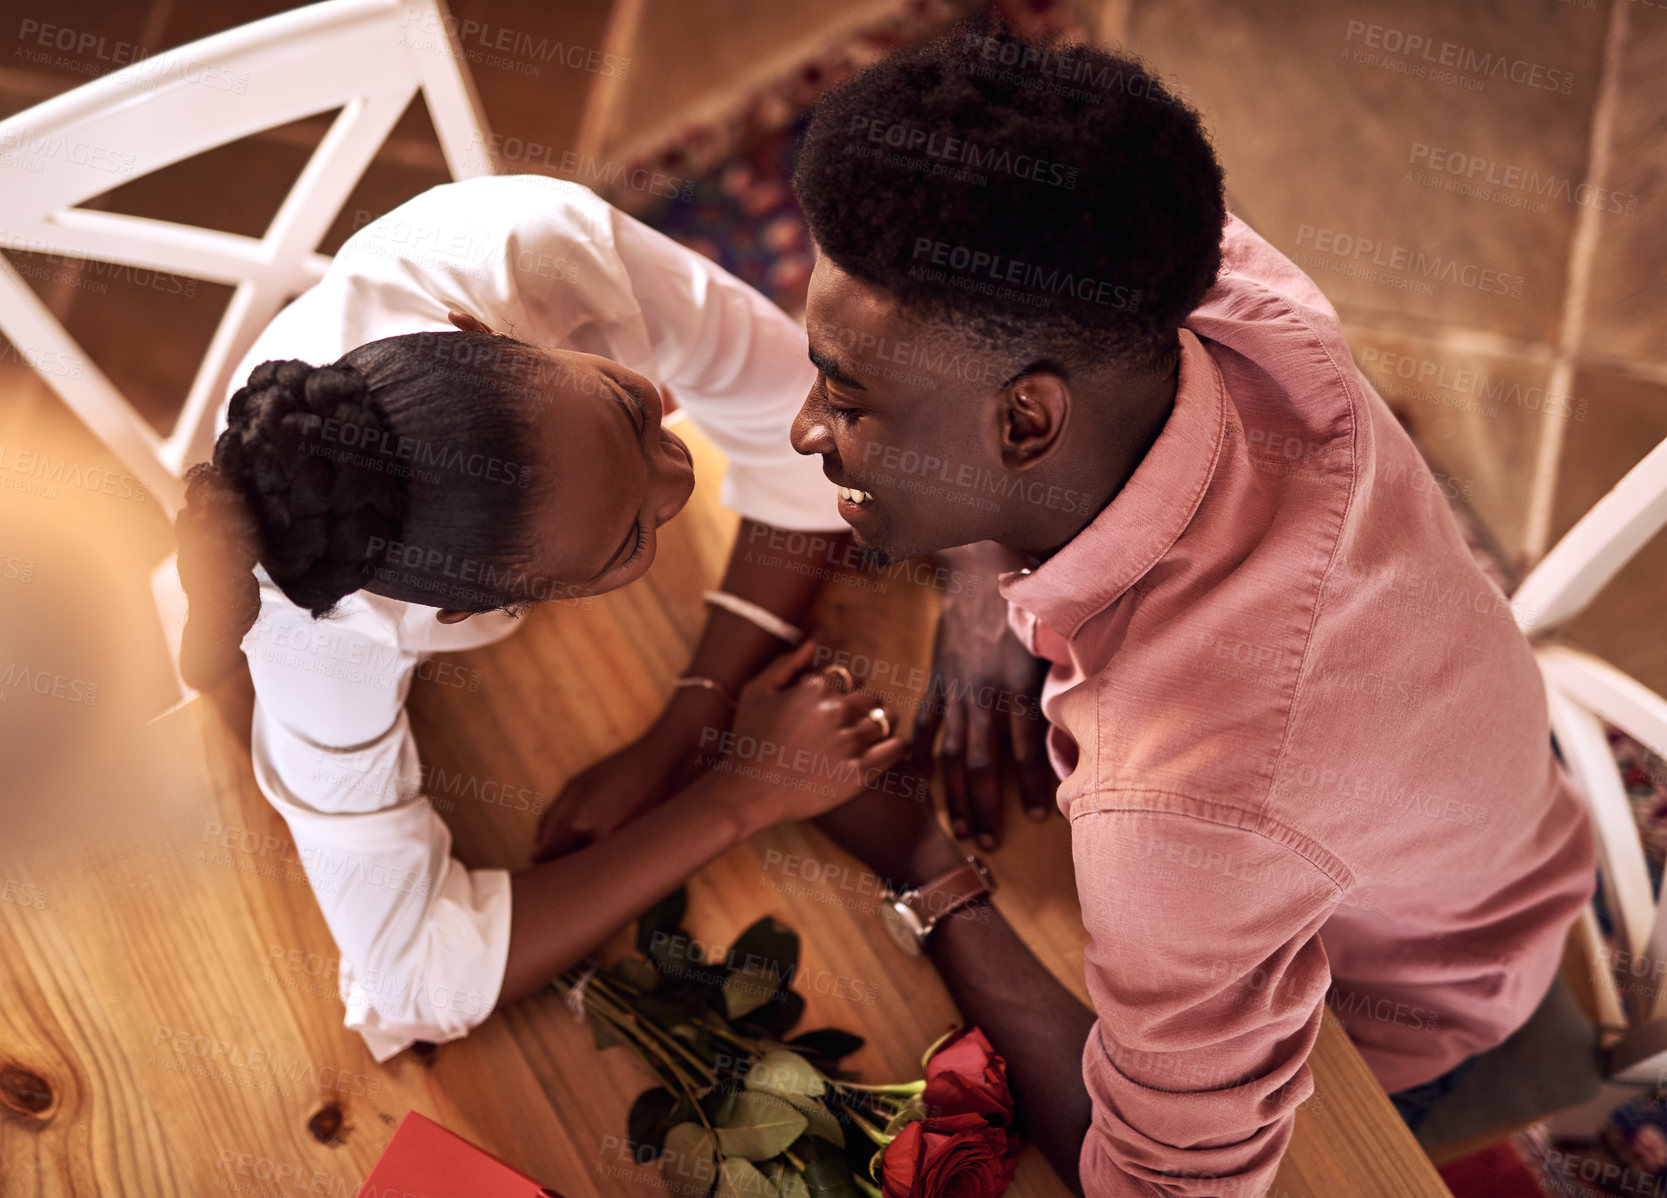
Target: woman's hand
x,y
629,781
801,745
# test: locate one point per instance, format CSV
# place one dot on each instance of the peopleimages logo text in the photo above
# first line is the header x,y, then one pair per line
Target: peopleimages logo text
x,y
1460,58
1026,275
1408,261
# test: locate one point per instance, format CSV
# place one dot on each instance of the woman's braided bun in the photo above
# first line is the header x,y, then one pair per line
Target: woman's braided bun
x,y
421,439
302,483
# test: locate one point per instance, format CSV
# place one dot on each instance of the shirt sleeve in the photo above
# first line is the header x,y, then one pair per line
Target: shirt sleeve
x,y
741,369
423,941
1208,976
552,263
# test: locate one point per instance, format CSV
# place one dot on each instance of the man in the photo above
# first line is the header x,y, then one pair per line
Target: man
x,y
1302,746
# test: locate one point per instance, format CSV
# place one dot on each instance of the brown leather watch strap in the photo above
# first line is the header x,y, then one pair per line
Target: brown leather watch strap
x,y
947,893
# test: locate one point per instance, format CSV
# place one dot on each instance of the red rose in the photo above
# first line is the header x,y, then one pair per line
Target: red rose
x,y
957,1156
967,1075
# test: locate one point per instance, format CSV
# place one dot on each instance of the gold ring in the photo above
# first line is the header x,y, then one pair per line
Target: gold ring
x,y
878,715
847,683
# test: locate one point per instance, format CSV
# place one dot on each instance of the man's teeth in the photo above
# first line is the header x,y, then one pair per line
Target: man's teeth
x,y
853,495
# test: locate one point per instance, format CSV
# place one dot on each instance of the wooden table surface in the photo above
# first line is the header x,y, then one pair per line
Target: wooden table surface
x,y
169,1019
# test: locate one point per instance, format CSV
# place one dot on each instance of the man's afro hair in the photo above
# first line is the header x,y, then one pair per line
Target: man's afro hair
x,y
1054,198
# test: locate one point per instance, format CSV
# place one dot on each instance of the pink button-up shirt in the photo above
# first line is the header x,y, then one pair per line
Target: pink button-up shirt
x,y
1304,753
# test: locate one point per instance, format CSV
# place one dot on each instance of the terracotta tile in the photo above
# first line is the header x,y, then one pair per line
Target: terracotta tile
x,y
1627,419
1319,145
1478,417
1627,312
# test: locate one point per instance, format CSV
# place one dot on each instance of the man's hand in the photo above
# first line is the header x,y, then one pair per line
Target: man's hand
x,y
985,695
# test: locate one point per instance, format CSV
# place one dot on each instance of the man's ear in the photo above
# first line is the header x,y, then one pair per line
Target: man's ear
x,y
448,615
1033,413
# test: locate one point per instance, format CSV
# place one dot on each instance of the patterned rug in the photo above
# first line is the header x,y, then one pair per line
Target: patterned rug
x,y
741,213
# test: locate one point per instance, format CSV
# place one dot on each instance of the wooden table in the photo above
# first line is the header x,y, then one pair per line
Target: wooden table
x,y
169,1020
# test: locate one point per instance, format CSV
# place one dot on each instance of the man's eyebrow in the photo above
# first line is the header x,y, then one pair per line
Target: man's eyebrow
x,y
834,370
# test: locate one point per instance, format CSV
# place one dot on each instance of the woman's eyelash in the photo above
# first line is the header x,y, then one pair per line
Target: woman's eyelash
x,y
637,551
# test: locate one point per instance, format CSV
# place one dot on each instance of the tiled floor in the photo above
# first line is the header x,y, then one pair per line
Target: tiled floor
x,y
1342,132
1534,403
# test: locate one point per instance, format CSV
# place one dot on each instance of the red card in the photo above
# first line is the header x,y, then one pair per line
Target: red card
x,y
424,1160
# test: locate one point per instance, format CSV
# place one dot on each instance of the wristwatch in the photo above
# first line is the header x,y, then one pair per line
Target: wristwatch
x,y
911,915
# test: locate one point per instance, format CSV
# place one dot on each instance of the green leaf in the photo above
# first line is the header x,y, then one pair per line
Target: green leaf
x,y
792,1185
663,916
719,1104
636,973
749,988
649,1120
687,1160
738,1178
823,1122
830,1043
787,1075
603,1035
768,944
780,1015
675,955
759,1127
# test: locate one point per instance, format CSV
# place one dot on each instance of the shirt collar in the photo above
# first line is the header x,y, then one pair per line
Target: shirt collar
x,y
1144,519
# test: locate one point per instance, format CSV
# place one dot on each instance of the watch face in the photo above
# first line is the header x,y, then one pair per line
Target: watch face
x,y
903,925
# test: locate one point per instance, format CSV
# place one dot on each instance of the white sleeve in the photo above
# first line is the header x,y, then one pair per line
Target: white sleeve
x,y
530,256
423,941
555,265
739,366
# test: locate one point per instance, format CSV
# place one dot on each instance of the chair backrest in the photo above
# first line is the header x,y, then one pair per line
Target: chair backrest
x,y
1583,693
368,58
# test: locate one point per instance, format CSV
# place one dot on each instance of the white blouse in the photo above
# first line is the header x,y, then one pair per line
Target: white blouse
x,y
422,940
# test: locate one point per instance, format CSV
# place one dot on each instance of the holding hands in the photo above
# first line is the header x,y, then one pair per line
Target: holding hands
x,y
801,744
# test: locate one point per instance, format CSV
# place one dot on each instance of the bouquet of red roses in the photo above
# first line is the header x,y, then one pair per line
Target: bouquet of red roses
x,y
742,1109
955,1139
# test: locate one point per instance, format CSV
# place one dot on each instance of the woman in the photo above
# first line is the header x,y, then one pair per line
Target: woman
x,y
400,500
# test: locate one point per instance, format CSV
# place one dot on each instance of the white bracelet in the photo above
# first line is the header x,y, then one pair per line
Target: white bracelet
x,y
754,614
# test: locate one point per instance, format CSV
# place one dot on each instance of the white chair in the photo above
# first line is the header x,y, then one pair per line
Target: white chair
x,y
367,57
1583,693
1588,1046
